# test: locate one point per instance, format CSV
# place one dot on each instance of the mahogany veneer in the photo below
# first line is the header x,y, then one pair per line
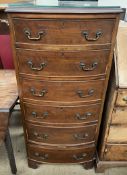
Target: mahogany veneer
x,y
62,60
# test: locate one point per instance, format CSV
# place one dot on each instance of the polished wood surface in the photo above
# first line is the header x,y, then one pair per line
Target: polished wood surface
x,y
68,115
58,85
66,31
76,91
60,155
66,64
71,135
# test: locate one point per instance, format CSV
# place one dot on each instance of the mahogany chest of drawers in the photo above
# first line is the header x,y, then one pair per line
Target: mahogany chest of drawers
x,y
62,59
113,141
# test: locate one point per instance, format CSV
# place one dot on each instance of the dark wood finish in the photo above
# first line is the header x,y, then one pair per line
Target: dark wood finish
x,y
70,155
52,135
68,115
66,64
62,43
8,98
76,91
66,31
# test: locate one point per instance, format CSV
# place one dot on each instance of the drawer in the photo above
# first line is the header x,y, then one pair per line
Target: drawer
x,y
52,64
63,31
116,152
117,134
61,114
62,91
61,135
119,116
57,155
122,97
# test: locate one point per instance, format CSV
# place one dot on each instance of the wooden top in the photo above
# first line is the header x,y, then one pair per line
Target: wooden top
x,y
8,90
121,56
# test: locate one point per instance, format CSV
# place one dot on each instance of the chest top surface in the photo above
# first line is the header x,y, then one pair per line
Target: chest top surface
x,y
62,6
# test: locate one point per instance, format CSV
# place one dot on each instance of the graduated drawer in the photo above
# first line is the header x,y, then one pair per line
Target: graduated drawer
x,y
62,64
62,91
122,97
47,114
63,31
116,152
119,116
59,155
61,135
117,134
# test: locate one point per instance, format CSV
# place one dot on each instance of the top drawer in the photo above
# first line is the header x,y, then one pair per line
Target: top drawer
x,y
63,31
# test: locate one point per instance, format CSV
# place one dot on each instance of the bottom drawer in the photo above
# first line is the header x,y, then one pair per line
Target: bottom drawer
x,y
117,152
58,155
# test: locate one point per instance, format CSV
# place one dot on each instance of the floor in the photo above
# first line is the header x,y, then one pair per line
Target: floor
x,y
21,160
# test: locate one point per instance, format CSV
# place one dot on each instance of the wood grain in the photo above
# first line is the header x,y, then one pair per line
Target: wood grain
x,y
62,115
8,89
63,63
61,91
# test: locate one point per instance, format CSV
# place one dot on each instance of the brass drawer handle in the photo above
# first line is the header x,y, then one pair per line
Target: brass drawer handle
x,y
43,157
86,68
79,157
44,115
42,136
81,136
97,36
84,117
40,94
125,99
41,67
27,33
4,21
89,93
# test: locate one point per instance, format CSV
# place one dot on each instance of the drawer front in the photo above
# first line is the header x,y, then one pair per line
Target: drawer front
x,y
59,91
63,31
60,135
61,114
71,155
116,152
51,64
117,134
119,116
122,97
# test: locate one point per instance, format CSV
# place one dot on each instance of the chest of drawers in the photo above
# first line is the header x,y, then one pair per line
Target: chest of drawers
x,y
113,143
62,61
